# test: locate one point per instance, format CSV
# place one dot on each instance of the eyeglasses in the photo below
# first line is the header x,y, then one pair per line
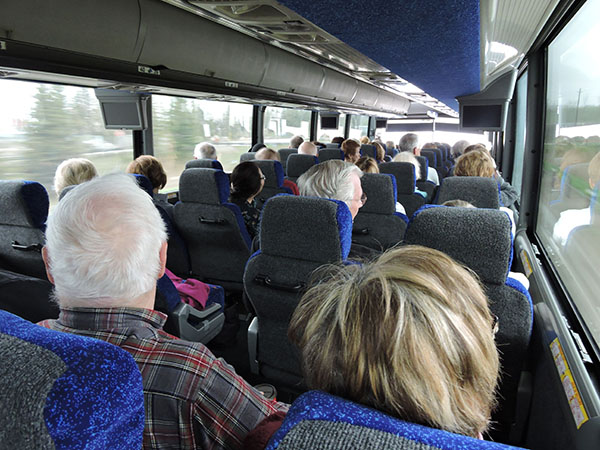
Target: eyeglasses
x,y
495,324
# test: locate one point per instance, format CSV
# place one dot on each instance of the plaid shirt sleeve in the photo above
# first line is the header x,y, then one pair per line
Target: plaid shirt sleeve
x,y
227,408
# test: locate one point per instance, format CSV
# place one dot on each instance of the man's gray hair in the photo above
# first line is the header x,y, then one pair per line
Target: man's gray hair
x,y
103,242
459,147
329,179
408,142
205,150
296,141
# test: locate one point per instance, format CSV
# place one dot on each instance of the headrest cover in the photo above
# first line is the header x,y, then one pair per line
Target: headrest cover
x,y
404,173
249,156
380,189
98,401
273,171
23,203
203,163
307,228
481,192
298,164
144,183
478,238
207,186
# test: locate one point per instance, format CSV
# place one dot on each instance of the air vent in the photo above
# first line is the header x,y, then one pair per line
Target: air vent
x,y
305,38
243,13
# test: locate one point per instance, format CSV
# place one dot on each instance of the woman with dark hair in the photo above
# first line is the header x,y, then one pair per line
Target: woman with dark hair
x,y
247,181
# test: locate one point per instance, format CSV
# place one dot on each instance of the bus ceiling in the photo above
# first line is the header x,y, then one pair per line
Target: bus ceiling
x,y
334,54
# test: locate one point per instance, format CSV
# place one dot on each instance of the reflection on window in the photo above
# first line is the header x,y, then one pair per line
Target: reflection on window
x,y
517,173
180,123
568,224
42,124
282,124
325,136
359,126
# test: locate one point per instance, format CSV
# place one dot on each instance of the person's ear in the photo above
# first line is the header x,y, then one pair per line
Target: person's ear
x,y
163,259
47,264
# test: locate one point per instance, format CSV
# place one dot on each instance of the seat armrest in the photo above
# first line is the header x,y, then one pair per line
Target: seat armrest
x,y
253,345
198,325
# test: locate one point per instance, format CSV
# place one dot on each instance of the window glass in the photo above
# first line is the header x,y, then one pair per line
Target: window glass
x,y
521,116
41,125
359,126
325,136
282,124
571,162
181,123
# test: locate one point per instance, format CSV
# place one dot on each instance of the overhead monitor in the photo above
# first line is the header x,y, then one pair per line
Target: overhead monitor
x,y
329,121
381,122
122,110
482,117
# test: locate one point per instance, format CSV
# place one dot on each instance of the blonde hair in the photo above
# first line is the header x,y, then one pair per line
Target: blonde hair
x,y
364,140
379,149
73,171
367,165
409,334
476,163
150,167
410,158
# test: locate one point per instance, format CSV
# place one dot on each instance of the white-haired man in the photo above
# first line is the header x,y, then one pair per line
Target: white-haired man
x,y
308,148
410,143
105,249
338,180
205,150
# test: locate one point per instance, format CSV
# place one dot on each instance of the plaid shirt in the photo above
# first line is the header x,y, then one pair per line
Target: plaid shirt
x,y
192,399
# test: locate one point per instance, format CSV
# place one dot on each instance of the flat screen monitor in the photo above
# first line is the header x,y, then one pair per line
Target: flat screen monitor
x,y
381,122
482,117
330,121
122,110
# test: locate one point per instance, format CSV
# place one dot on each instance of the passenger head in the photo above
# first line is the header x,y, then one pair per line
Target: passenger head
x,y
594,171
351,150
364,140
367,165
308,148
257,147
472,147
459,203
459,147
337,140
409,334
410,158
73,171
390,146
247,181
296,141
150,167
105,245
379,150
205,150
334,179
267,153
409,143
475,163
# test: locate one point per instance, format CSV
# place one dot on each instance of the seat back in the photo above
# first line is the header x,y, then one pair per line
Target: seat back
x,y
248,156
481,240
213,229
297,235
64,391
377,224
24,206
431,157
320,420
405,185
481,192
284,153
368,150
273,172
298,164
204,163
27,297
332,145
326,154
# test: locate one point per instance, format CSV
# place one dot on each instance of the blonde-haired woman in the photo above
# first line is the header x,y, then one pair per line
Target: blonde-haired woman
x,y
72,172
410,335
475,163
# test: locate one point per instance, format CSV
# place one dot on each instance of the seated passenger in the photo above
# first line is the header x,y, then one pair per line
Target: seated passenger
x,y
205,150
351,149
410,158
73,171
337,140
269,153
247,180
308,148
337,180
573,218
296,141
380,151
365,140
410,335
458,148
390,146
105,282
152,168
410,143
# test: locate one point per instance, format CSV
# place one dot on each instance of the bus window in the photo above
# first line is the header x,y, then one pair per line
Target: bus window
x,y
571,162
521,116
282,124
359,126
325,136
41,125
180,123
